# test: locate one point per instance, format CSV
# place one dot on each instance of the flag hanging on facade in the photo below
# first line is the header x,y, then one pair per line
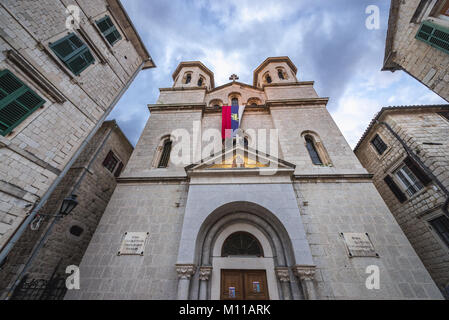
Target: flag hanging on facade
x,y
230,121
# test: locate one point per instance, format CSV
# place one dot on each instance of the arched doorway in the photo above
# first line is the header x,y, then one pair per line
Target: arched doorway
x,y
253,264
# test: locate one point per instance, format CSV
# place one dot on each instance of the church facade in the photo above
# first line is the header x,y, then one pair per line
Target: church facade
x,y
283,211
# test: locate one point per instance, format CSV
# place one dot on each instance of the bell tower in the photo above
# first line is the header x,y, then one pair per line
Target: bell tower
x,y
193,74
275,70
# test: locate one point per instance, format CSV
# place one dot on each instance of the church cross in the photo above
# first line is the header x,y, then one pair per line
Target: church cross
x,y
233,77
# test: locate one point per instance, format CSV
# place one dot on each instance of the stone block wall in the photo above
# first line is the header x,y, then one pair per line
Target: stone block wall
x,y
344,206
426,133
37,151
62,248
157,208
425,63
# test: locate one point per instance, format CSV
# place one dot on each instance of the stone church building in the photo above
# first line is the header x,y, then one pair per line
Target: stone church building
x,y
299,219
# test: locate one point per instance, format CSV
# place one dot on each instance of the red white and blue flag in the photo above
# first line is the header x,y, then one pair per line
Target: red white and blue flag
x,y
231,118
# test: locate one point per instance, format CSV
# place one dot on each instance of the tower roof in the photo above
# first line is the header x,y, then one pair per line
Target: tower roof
x,y
273,59
195,64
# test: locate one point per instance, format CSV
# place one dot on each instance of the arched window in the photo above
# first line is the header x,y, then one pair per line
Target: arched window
x,y
241,244
268,78
188,78
200,81
310,143
281,74
165,157
235,102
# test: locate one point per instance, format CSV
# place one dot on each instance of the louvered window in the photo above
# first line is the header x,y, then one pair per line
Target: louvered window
x,y
17,102
73,53
379,144
108,30
395,189
110,162
434,35
410,183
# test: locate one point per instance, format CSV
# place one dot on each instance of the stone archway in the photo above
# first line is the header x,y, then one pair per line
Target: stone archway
x,y
241,215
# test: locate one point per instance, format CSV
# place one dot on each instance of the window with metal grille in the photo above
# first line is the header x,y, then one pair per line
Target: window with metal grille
x,y
409,181
379,144
441,227
434,35
108,30
17,102
73,53
310,144
241,244
165,157
110,162
235,102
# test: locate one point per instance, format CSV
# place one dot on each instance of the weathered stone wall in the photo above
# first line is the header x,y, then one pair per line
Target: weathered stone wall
x,y
63,248
425,63
347,206
37,150
156,208
416,128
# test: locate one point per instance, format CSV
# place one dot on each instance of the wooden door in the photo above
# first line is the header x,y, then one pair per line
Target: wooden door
x,y
244,285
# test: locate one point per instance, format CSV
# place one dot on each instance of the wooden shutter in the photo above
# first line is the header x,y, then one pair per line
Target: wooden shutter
x,y
108,30
119,170
434,35
395,189
417,171
73,53
17,102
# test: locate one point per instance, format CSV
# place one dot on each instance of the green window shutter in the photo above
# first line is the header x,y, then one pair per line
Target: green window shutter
x,y
17,102
73,53
108,30
434,35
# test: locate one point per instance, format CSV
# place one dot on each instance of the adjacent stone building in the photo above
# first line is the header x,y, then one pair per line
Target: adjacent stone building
x,y
418,42
283,211
63,66
406,148
93,179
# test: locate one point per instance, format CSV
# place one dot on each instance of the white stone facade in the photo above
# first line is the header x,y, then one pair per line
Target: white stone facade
x,y
35,153
296,212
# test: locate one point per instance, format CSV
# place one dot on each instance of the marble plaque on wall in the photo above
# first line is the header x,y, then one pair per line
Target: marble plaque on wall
x,y
133,243
359,245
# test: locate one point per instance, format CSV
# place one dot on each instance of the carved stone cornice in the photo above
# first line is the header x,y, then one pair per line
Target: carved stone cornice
x,y
283,274
205,273
185,271
304,272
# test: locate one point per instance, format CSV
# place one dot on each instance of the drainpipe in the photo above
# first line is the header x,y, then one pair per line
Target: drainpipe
x,y
7,248
421,163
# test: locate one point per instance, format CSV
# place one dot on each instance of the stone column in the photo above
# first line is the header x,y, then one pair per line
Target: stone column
x,y
306,274
205,273
284,278
185,272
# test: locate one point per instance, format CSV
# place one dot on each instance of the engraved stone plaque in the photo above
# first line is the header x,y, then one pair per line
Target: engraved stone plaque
x,y
359,245
133,243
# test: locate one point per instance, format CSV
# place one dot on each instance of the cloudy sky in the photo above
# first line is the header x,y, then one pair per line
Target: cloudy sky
x,y
326,39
